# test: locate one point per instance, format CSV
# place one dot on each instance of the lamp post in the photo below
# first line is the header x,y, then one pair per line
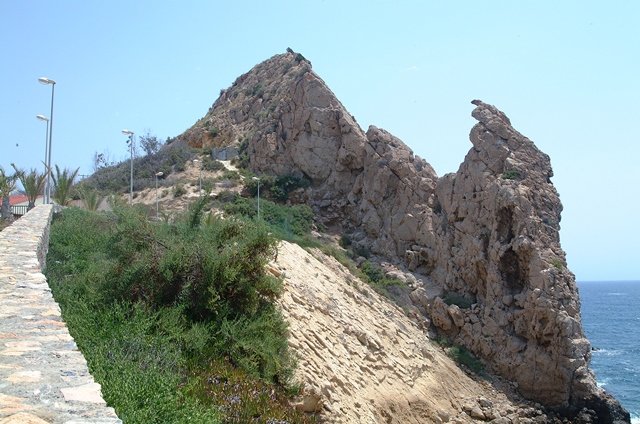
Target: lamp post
x,y
258,180
130,142
48,81
159,174
200,187
46,149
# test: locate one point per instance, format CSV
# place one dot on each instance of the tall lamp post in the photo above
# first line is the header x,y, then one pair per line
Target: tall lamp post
x,y
46,149
159,174
130,142
48,81
198,161
258,180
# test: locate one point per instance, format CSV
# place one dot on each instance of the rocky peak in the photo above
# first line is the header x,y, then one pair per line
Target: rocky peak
x,y
487,234
498,244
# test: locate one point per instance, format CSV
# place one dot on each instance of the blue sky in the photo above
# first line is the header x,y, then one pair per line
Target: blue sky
x,y
566,73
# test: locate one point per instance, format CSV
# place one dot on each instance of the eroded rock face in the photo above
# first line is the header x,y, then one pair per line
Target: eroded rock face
x,y
498,243
487,233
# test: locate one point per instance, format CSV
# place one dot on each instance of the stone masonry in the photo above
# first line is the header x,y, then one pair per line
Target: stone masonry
x,y
43,376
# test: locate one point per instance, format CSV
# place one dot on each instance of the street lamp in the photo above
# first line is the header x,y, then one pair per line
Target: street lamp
x,y
48,81
46,149
200,189
258,180
130,142
159,174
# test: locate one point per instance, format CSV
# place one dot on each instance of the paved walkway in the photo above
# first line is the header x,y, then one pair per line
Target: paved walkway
x,y
43,376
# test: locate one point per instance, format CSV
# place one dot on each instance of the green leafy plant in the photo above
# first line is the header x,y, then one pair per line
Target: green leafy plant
x,y
168,315
287,222
463,302
345,241
179,190
212,165
557,263
91,198
510,174
284,184
116,178
62,183
7,185
230,175
33,184
464,357
377,280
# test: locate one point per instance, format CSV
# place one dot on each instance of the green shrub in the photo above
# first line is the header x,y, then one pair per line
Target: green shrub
x,y
256,90
153,305
463,302
231,175
344,241
557,263
278,188
375,278
179,190
116,178
226,196
372,271
287,222
462,356
363,251
242,160
212,165
284,184
510,174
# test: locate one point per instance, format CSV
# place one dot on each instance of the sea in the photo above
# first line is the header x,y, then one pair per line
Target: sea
x,y
611,322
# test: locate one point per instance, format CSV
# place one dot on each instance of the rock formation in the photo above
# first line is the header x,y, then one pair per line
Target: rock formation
x,y
364,361
486,238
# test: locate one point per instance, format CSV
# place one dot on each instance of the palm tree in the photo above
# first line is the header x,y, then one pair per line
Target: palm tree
x,y
62,183
33,183
7,185
91,198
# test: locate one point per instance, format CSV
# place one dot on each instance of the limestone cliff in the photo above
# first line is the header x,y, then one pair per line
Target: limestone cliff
x,y
487,234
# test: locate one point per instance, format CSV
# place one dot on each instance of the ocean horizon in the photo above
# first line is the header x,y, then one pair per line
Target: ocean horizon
x,y
611,322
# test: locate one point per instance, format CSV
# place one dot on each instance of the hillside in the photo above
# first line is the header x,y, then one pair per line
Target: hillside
x,y
479,247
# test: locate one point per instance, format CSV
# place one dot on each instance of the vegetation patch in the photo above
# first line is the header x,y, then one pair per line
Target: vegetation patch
x,y
287,222
463,302
177,322
557,263
277,188
116,178
511,174
179,190
211,164
378,281
461,355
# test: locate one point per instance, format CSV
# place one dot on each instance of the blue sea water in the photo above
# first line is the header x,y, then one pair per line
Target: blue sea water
x,y
611,321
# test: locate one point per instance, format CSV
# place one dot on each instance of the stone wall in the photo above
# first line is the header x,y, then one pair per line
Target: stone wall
x,y
43,376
